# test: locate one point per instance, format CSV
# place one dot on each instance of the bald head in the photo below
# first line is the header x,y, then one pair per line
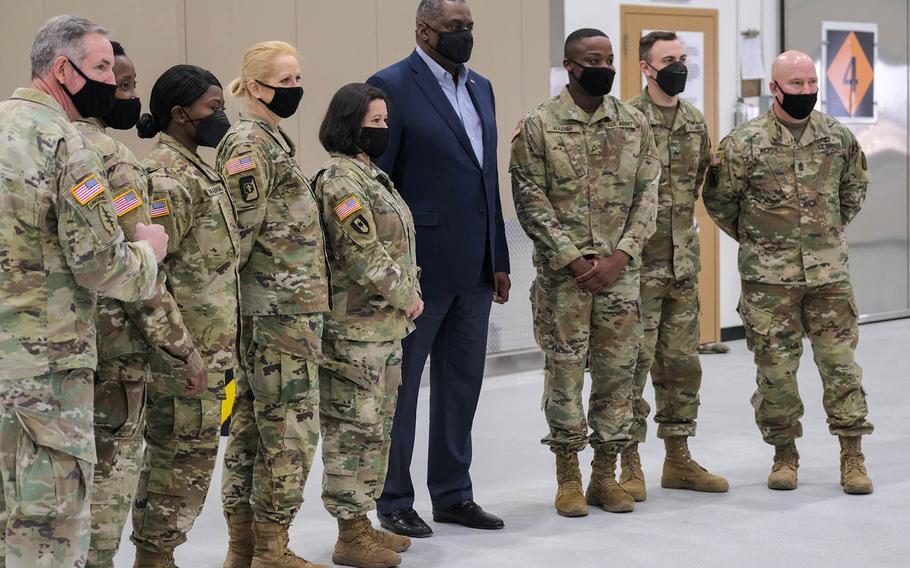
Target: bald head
x,y
792,63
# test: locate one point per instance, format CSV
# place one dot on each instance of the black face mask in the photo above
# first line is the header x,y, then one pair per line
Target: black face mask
x,y
211,129
94,99
596,81
373,140
454,46
797,106
285,101
672,78
124,114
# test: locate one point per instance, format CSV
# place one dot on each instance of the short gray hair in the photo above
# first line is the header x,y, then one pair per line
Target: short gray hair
x,y
61,35
429,9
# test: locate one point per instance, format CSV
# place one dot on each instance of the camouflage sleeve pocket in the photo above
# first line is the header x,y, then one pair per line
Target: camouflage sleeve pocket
x,y
50,466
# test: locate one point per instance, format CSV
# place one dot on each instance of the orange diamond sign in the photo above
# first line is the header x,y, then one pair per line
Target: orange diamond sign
x,y
850,73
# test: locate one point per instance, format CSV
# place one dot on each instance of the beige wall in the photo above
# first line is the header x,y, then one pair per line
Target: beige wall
x,y
341,41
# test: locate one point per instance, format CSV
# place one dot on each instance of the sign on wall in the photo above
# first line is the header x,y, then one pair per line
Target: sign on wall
x,y
849,51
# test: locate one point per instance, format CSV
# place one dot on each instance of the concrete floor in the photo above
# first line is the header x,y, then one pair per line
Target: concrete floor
x,y
817,525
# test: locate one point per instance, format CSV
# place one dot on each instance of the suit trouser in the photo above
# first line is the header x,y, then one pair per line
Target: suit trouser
x,y
120,385
453,331
181,445
669,310
776,317
47,450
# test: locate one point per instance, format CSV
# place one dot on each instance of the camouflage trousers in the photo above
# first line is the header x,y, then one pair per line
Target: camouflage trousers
x,y
604,329
669,312
358,386
47,452
119,419
274,430
776,317
181,445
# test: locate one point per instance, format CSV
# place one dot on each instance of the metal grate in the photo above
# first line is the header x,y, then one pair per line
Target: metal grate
x,y
511,327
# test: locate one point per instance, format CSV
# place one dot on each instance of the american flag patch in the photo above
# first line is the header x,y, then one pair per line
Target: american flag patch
x,y
241,164
87,189
126,202
347,208
160,208
717,158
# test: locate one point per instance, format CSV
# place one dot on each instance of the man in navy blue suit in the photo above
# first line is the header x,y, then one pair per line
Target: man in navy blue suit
x,y
442,158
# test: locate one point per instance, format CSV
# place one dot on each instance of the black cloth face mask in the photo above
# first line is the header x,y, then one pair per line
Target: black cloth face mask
x,y
211,129
94,99
672,78
285,101
454,46
596,81
374,141
124,114
797,106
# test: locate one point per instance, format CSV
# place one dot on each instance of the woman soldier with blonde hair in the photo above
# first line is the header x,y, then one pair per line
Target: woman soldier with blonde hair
x,y
284,292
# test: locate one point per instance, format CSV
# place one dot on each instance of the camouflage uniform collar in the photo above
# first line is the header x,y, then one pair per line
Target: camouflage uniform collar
x,y
195,159
815,129
353,162
39,97
569,111
93,123
275,132
652,113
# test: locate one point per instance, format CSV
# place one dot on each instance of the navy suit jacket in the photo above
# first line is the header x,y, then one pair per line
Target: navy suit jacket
x,y
454,201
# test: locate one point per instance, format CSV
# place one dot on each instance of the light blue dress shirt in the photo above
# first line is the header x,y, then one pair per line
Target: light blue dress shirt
x,y
460,100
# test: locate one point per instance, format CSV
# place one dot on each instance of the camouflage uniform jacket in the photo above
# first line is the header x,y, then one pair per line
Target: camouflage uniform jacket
x,y
371,249
283,264
584,185
684,150
59,241
787,202
190,201
148,325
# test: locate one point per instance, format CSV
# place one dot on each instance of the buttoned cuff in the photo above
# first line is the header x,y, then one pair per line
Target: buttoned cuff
x,y
564,257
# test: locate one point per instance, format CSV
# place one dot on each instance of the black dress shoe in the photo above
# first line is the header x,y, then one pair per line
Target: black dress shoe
x,y
405,522
469,514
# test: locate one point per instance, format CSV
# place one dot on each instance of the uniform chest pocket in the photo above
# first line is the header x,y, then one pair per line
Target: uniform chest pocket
x,y
389,219
566,152
212,234
770,183
689,151
296,199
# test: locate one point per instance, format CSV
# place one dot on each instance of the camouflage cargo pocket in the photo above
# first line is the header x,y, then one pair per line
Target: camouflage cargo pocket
x,y
757,323
350,392
53,471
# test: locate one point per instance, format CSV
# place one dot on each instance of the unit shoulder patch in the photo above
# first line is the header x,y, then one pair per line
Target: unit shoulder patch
x,y
248,189
361,225
87,190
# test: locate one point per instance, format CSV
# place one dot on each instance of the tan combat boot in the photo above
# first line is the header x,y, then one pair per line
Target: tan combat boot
x,y
853,477
682,472
632,478
570,497
270,548
356,548
603,490
783,472
153,559
392,541
240,540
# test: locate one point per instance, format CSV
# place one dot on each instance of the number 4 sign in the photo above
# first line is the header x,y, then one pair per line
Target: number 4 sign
x,y
849,51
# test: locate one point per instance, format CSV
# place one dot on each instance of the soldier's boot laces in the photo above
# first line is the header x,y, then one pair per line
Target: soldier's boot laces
x,y
153,559
355,547
783,472
632,478
270,548
603,490
682,472
392,541
570,497
853,476
240,540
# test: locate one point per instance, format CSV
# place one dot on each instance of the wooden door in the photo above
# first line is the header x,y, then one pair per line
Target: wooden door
x,y
636,21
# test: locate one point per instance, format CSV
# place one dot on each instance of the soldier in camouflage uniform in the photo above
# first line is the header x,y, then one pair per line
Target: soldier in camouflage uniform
x,y
376,297
584,180
127,334
285,290
190,200
785,185
669,275
59,244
